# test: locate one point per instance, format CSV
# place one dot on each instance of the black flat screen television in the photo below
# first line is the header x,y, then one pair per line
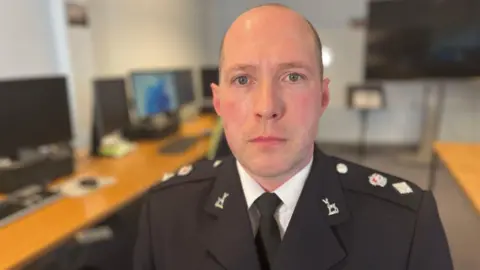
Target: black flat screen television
x,y
423,39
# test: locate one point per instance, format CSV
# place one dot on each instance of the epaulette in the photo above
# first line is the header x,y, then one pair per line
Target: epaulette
x,y
198,171
379,184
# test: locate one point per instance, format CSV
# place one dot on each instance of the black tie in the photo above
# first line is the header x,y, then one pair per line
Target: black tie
x,y
268,236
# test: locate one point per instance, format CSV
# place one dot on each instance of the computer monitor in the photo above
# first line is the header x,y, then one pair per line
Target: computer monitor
x,y
34,112
184,86
154,93
111,107
209,75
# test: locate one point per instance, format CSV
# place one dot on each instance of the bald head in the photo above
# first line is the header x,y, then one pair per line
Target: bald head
x,y
271,86
274,15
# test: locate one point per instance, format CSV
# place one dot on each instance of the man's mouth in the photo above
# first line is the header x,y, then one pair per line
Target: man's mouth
x,y
267,139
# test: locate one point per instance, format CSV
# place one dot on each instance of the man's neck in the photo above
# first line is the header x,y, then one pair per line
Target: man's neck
x,y
270,184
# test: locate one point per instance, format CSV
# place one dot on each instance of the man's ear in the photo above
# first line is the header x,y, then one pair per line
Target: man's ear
x,y
216,98
325,93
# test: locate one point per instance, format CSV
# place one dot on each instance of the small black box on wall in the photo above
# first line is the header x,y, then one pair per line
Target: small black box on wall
x,y
366,97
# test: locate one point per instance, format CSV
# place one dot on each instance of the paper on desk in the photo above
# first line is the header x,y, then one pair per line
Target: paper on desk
x,y
72,188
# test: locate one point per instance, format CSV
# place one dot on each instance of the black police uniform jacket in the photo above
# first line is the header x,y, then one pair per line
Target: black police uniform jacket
x,y
185,225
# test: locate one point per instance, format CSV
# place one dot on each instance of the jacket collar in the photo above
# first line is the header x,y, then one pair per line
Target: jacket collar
x,y
228,235
309,242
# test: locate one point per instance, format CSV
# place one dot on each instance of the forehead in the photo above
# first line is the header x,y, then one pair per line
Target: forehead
x,y
272,38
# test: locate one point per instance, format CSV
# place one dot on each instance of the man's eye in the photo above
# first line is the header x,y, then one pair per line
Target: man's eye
x,y
242,80
294,77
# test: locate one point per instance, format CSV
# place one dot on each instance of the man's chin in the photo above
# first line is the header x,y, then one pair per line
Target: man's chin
x,y
267,169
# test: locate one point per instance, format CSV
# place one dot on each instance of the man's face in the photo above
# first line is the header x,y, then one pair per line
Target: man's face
x,y
271,94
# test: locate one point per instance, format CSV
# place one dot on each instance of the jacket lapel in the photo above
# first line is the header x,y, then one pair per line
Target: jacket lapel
x,y
310,242
227,232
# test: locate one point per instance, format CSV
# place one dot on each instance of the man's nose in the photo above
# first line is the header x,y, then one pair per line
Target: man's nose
x,y
268,103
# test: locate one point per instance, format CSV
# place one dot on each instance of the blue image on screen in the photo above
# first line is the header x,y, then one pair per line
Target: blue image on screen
x,y
154,93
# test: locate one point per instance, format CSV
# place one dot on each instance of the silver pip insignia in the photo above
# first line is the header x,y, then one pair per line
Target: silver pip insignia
x,y
221,200
332,208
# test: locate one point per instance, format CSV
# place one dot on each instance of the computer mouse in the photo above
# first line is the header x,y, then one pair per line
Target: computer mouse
x,y
89,183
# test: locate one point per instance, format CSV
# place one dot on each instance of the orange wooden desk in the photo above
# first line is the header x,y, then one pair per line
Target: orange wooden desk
x,y
463,162
37,233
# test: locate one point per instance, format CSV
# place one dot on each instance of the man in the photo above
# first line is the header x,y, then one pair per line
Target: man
x,y
280,203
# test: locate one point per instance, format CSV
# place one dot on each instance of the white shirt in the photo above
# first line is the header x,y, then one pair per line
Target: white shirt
x,y
289,193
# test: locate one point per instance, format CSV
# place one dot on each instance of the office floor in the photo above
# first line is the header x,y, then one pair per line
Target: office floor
x,y
460,219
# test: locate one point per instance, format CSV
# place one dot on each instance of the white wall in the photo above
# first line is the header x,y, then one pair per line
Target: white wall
x,y
34,43
74,52
149,34
27,39
78,61
124,35
401,122
144,34
83,71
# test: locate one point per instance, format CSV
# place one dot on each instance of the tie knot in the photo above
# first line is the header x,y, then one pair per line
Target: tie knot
x,y
267,204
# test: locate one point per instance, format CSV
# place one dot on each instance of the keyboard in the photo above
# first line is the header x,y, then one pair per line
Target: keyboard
x,y
178,146
7,209
25,201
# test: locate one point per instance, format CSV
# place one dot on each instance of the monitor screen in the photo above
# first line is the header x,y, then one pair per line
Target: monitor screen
x,y
209,75
154,92
111,105
184,85
34,112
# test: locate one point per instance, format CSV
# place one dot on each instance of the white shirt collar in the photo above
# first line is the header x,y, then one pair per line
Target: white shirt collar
x,y
289,192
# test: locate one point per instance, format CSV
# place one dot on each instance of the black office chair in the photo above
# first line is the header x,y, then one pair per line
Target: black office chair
x,y
117,252
69,255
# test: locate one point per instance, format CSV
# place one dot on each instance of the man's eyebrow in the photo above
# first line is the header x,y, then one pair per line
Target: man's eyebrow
x,y
239,67
295,64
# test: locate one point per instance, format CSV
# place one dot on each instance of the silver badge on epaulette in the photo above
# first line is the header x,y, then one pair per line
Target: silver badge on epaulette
x,y
185,170
167,176
332,208
377,180
342,168
221,200
403,188
217,163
